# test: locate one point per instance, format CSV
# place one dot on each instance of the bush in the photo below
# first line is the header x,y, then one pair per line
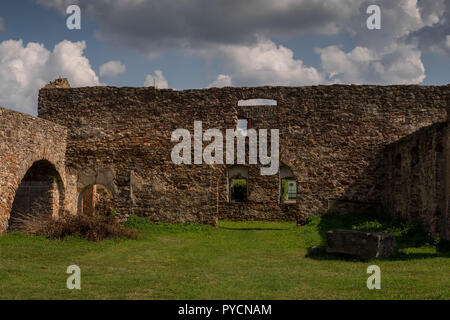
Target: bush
x,y
239,190
408,234
92,228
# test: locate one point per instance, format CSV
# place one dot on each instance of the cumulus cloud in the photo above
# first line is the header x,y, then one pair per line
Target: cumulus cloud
x,y
265,63
398,19
2,24
26,69
433,36
152,26
112,69
157,80
234,29
398,64
221,81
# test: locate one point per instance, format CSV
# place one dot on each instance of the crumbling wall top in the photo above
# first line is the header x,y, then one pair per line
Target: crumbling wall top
x,y
58,83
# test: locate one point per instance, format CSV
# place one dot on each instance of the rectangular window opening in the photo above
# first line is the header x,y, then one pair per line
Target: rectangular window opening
x,y
238,190
288,190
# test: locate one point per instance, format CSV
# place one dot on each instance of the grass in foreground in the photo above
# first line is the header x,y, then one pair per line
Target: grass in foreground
x,y
237,260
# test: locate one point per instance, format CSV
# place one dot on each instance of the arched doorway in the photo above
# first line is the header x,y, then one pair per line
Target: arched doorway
x,y
95,199
41,191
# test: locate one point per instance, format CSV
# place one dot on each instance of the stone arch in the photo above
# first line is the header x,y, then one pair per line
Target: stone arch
x,y
95,199
40,191
90,178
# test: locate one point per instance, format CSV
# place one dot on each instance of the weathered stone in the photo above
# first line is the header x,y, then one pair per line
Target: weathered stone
x,y
417,177
332,138
26,140
58,83
367,245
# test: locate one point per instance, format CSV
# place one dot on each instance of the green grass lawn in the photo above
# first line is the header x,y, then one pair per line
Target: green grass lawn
x,y
237,260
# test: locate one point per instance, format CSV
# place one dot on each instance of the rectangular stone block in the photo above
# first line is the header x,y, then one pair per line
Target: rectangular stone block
x,y
367,245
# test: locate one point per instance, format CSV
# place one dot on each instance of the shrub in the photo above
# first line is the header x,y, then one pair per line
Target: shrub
x,y
239,190
92,228
408,234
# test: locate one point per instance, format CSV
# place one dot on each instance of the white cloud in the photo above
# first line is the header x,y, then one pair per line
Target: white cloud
x,y
157,79
447,41
68,59
433,36
398,64
154,26
265,63
407,27
431,11
221,81
112,69
26,69
2,24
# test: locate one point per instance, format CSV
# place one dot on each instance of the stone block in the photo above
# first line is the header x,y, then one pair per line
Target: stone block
x,y
366,245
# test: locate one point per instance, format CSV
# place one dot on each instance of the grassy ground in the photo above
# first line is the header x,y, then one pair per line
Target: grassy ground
x,y
253,260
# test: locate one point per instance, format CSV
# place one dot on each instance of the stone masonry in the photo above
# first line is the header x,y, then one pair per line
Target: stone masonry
x,y
26,140
417,176
332,138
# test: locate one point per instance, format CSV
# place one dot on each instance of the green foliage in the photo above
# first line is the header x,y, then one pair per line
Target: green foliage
x,y
242,183
408,234
284,189
239,190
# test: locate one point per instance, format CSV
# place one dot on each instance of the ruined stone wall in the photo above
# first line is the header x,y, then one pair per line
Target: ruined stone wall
x,y
24,140
331,137
416,178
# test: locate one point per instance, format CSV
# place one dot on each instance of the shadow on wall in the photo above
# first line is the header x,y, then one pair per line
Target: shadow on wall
x,y
408,234
41,191
415,179
406,179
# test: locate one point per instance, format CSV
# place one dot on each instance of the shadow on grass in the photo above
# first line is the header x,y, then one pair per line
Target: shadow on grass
x,y
253,229
408,235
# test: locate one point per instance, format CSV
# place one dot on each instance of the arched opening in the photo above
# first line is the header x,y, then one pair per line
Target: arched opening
x,y
288,185
41,191
94,200
237,183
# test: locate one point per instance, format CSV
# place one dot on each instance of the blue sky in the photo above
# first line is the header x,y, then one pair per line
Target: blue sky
x,y
201,43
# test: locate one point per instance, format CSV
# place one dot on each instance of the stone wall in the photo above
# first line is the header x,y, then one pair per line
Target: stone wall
x,y
331,137
25,140
416,179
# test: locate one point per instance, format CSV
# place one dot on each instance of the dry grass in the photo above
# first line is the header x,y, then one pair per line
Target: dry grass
x,y
92,228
